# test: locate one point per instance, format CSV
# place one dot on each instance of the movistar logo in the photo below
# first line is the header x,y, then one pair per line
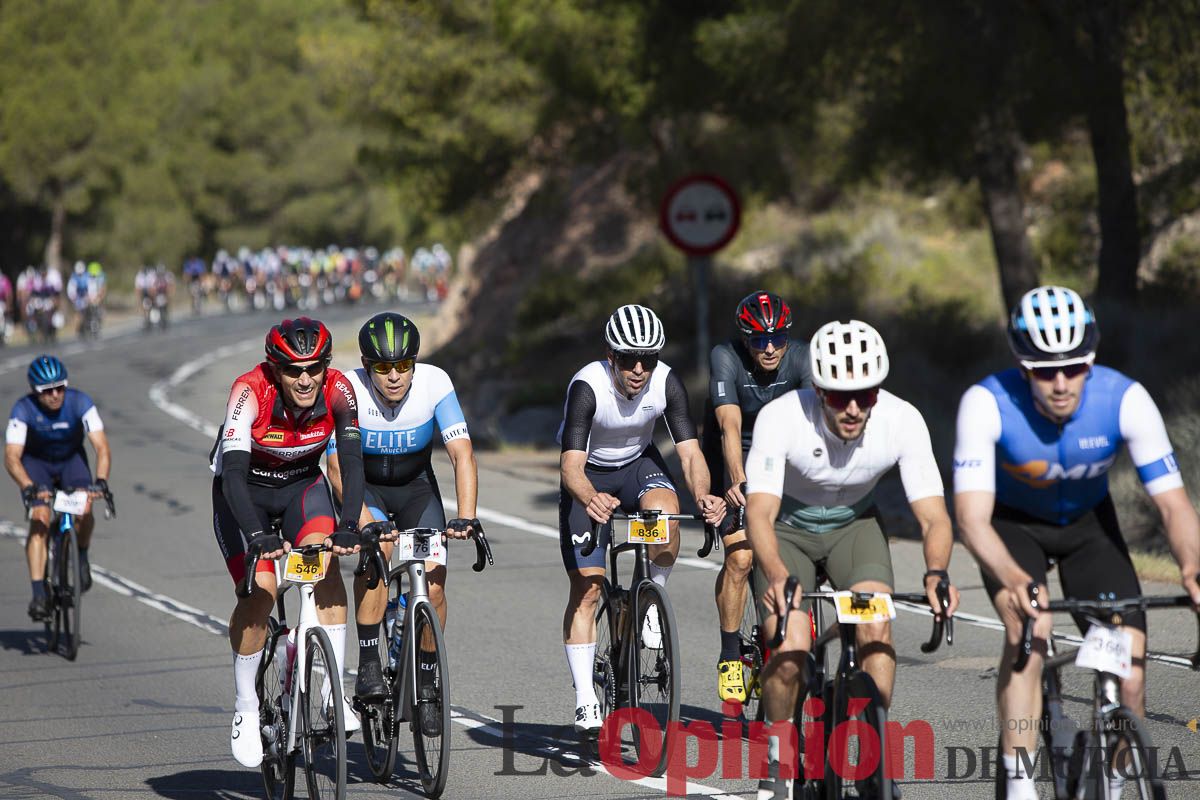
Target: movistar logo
x,y
1040,474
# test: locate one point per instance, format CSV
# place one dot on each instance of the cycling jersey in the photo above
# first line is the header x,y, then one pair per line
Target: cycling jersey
x,y
265,443
734,379
53,436
825,482
1058,472
613,429
397,442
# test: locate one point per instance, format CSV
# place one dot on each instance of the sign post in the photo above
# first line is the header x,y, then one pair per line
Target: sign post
x,y
700,214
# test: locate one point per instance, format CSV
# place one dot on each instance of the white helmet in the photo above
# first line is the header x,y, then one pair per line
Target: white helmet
x,y
1053,326
634,328
847,356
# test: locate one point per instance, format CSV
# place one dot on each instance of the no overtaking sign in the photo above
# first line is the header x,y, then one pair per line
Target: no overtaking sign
x,y
700,214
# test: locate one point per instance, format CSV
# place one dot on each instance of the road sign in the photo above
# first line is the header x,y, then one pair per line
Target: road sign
x,y
700,214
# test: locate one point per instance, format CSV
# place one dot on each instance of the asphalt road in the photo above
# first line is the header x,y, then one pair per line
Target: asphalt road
x,y
145,710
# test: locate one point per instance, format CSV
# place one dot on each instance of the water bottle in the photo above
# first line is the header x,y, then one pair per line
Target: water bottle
x,y
394,625
290,662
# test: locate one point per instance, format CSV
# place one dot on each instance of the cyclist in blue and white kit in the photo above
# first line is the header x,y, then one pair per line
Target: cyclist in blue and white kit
x,y
1031,462
400,404
44,451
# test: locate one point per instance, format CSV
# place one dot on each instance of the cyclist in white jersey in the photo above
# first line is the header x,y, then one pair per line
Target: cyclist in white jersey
x,y
401,403
813,464
609,461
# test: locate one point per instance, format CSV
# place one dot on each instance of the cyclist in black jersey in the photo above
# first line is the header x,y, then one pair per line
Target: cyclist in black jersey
x,y
753,368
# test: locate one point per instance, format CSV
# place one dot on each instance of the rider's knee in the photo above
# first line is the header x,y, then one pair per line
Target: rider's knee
x,y
739,562
586,590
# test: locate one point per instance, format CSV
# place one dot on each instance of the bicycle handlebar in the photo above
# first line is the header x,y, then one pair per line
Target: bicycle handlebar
x,y
372,556
110,509
1101,609
253,557
941,622
653,515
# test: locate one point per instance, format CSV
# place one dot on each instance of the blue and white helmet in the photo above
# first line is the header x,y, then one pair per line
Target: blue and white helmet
x,y
46,372
1052,326
634,328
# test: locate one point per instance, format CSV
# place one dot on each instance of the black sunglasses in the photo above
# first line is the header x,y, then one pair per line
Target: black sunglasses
x,y
1069,371
628,361
294,371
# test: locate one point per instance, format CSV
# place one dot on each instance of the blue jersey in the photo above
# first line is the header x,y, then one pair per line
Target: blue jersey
x,y
1058,472
54,436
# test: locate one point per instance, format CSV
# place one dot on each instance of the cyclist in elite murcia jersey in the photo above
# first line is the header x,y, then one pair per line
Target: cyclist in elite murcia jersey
x,y
815,459
609,461
1031,462
747,372
400,402
44,450
279,418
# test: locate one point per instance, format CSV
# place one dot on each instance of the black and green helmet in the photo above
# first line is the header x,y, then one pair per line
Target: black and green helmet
x,y
389,337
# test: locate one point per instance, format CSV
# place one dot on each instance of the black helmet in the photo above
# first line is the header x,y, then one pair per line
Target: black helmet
x,y
300,339
389,337
1052,325
762,312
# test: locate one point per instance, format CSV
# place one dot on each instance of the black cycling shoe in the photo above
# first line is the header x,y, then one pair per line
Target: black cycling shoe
x,y
39,609
85,576
369,687
429,710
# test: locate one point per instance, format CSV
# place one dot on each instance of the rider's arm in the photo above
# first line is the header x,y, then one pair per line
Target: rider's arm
x,y
333,472
577,426
766,464
729,420
235,458
923,486
94,427
453,425
12,463
683,433
349,450
724,373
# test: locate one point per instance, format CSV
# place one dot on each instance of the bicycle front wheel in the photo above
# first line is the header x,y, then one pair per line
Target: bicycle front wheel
x,y
750,645
654,676
431,728
380,723
323,724
859,760
278,766
69,603
604,668
1127,746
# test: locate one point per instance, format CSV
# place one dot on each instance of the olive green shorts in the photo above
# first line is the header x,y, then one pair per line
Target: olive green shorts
x,y
853,553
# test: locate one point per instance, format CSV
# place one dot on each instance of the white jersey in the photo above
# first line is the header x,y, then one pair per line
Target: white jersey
x,y
621,427
826,482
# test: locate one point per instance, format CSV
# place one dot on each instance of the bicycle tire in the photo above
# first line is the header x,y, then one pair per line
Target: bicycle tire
x,y
750,646
814,788
860,685
380,726
323,724
278,767
70,596
50,583
604,672
654,678
1122,725
433,752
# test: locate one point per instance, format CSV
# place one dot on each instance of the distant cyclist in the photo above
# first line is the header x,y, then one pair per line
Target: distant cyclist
x,y
403,407
754,367
43,452
609,462
1031,462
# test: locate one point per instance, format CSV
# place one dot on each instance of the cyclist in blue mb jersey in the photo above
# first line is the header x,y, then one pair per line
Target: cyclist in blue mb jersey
x,y
44,451
1031,462
400,404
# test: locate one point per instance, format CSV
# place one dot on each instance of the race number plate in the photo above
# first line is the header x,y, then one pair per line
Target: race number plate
x,y
304,567
643,532
878,609
71,502
408,548
1106,650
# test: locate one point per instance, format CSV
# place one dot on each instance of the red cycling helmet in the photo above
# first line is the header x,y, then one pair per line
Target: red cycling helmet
x,y
762,312
300,339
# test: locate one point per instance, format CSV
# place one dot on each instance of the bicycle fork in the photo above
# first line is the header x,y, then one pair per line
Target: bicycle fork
x,y
418,596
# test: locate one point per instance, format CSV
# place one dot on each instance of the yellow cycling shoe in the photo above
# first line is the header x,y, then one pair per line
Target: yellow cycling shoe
x,y
730,683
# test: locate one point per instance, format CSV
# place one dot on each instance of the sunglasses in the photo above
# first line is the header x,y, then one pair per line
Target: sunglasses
x,y
1069,371
762,341
52,390
839,401
386,367
294,371
627,361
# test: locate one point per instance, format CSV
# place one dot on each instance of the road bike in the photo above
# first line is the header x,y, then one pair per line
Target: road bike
x,y
637,646
849,682
64,586
418,696
300,704
1114,743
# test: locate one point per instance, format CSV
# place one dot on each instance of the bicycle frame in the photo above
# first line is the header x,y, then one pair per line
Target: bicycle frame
x,y
418,595
294,684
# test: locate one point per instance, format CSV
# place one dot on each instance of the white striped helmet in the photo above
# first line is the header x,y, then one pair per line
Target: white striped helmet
x,y
847,356
1052,326
634,328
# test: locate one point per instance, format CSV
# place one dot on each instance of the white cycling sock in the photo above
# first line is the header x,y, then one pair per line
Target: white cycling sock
x,y
1017,786
581,659
245,669
337,638
660,574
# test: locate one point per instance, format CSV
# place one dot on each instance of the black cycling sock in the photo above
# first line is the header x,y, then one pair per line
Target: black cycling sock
x,y
39,590
83,551
368,642
731,646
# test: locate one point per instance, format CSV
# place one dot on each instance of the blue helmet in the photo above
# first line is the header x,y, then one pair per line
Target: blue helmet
x,y
46,371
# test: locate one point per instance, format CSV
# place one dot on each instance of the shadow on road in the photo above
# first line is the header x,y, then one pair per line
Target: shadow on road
x,y
29,642
216,783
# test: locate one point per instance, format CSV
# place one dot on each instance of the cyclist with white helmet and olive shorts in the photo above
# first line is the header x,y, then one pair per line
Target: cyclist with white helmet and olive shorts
x,y
814,461
1031,462
609,462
